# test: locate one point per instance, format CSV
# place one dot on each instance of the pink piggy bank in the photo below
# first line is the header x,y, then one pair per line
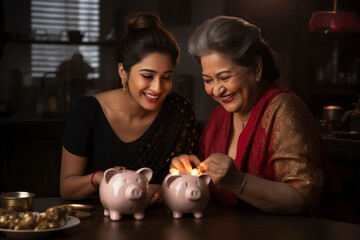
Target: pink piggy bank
x,y
125,192
185,193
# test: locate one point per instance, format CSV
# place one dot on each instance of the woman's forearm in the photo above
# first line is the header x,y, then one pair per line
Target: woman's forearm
x,y
271,196
76,187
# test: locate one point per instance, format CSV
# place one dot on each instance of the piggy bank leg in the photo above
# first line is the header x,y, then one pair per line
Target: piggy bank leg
x,y
177,214
139,215
106,213
114,215
198,214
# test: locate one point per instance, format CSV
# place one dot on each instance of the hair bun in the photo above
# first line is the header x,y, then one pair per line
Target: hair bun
x,y
143,20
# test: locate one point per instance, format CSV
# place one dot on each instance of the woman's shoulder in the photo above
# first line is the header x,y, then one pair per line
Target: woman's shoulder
x,y
288,100
88,102
85,107
82,116
290,105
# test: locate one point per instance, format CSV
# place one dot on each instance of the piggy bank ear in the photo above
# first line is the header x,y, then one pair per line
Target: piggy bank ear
x,y
169,179
108,174
146,172
205,177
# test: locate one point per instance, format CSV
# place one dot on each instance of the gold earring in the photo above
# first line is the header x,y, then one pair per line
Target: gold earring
x,y
124,86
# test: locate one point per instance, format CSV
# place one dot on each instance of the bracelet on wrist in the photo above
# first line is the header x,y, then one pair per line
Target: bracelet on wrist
x,y
92,179
242,185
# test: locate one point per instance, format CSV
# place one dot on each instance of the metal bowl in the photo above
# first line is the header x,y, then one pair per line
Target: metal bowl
x,y
17,201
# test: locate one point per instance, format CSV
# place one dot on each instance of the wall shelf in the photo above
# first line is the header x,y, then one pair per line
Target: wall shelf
x,y
31,41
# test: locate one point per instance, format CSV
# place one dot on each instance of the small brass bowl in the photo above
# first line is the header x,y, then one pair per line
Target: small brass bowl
x,y
17,201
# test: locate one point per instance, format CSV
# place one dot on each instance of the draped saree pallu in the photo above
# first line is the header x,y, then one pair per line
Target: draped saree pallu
x,y
280,142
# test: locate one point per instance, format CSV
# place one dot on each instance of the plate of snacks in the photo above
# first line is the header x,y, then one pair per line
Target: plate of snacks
x,y
35,224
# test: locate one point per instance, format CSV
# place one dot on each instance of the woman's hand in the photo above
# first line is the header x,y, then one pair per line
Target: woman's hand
x,y
185,163
97,178
223,171
155,196
99,175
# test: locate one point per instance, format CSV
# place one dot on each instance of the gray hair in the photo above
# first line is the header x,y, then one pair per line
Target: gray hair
x,y
236,38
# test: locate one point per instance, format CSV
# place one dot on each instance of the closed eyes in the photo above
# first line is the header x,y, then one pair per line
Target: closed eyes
x,y
221,78
152,77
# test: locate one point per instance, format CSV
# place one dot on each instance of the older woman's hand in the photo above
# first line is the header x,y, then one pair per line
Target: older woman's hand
x,y
223,171
185,163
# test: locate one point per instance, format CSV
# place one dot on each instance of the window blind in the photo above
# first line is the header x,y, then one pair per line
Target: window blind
x,y
50,22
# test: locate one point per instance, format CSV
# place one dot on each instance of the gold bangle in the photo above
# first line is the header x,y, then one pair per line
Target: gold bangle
x,y
242,186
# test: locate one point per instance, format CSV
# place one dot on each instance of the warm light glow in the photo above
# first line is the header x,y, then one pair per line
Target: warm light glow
x,y
334,21
174,171
195,172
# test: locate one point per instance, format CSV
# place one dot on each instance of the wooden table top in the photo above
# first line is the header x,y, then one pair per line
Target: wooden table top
x,y
218,222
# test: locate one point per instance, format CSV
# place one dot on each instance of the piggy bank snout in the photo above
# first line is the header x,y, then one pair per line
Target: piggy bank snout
x,y
133,192
193,194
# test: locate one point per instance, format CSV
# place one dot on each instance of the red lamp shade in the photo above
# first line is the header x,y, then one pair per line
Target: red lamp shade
x,y
334,21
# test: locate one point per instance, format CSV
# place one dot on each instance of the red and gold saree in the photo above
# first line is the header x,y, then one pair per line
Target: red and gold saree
x,y
280,142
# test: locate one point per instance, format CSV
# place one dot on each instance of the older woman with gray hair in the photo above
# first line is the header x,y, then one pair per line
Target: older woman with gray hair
x,y
261,146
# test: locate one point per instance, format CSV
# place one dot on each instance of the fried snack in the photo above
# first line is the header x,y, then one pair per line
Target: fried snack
x,y
54,217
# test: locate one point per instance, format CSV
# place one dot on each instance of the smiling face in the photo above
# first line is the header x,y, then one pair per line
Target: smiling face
x,y
235,87
150,80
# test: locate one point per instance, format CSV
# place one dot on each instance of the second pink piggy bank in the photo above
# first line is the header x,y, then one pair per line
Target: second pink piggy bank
x,y
185,193
125,192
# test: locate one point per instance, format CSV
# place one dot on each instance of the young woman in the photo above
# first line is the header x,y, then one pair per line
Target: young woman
x,y
141,124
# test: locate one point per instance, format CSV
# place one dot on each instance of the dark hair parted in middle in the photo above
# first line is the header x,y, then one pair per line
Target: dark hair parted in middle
x,y
145,34
236,38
